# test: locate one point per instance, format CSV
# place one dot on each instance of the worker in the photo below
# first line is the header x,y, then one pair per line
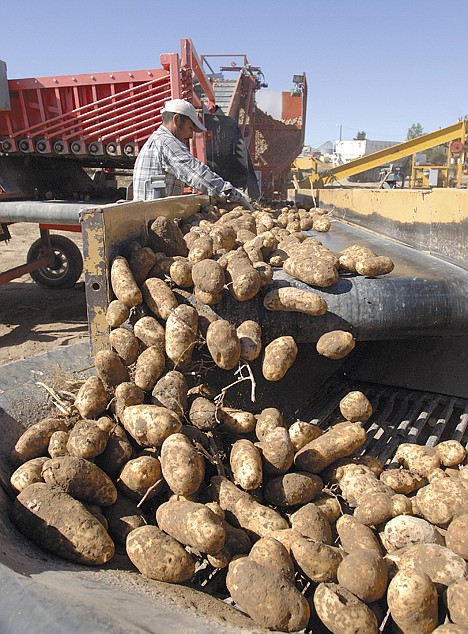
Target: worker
x,y
165,162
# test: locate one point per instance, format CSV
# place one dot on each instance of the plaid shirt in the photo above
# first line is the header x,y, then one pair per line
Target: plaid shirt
x,y
164,154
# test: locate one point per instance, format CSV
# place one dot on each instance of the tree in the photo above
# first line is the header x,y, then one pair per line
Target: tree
x,y
360,136
436,155
414,131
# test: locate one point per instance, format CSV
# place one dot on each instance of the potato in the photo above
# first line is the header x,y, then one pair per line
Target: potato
x,y
450,453
55,521
279,355
418,459
302,433
192,524
404,530
117,452
122,518
149,331
180,273
208,276
321,224
126,394
206,298
117,313
402,480
341,612
276,603
374,508
141,477
34,441
149,367
58,444
365,574
237,541
356,486
123,283
242,279
91,400
457,536
329,505
223,344
236,421
269,419
254,517
310,522
183,467
457,604
271,553
449,628
312,270
165,235
141,262
277,452
150,425
249,334
291,489
265,272
377,265
355,406
336,344
201,249
203,414
125,344
223,237
441,564
110,368
81,479
86,440
171,391
349,256
246,464
442,500
412,600
339,441
181,335
159,297
292,299
220,560
28,473
356,536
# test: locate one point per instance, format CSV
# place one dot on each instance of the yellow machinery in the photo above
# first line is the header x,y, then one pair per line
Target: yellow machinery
x,y
318,174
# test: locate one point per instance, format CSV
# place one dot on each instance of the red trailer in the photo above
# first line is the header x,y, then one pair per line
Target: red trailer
x,y
67,137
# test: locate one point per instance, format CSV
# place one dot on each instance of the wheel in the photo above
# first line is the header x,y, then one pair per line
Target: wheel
x,y
67,267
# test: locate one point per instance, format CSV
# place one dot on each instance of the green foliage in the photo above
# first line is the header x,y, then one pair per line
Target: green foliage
x,y
436,155
414,131
360,136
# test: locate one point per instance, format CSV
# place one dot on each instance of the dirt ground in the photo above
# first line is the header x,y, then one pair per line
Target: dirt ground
x,y
34,319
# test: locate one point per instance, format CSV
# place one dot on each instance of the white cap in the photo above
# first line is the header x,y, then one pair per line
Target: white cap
x,y
181,106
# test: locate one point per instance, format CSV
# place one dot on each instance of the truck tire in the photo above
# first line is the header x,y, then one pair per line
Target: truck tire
x,y
67,267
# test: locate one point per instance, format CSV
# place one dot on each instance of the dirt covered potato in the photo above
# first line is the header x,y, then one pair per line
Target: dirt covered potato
x,y
269,419
310,522
118,450
125,344
110,368
442,500
183,466
249,334
149,332
450,453
91,400
81,479
441,564
123,283
246,464
405,530
402,480
117,313
28,473
457,603
181,335
57,522
276,603
236,421
58,444
165,235
35,440
171,391
149,367
412,600
159,297
312,270
355,406
342,612
355,536
150,425
139,476
376,265
421,460
279,355
203,414
365,574
208,276
339,441
271,553
291,489
243,280
457,536
292,299
192,524
336,344
86,440
223,344
180,273
122,518
277,452
126,394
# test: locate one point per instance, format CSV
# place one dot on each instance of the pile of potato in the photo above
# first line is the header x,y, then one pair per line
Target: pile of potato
x,y
300,531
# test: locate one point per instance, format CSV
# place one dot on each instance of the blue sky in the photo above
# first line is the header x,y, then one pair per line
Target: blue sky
x,y
371,65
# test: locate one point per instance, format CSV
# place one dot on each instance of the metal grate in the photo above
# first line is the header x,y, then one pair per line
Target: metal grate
x,y
399,416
